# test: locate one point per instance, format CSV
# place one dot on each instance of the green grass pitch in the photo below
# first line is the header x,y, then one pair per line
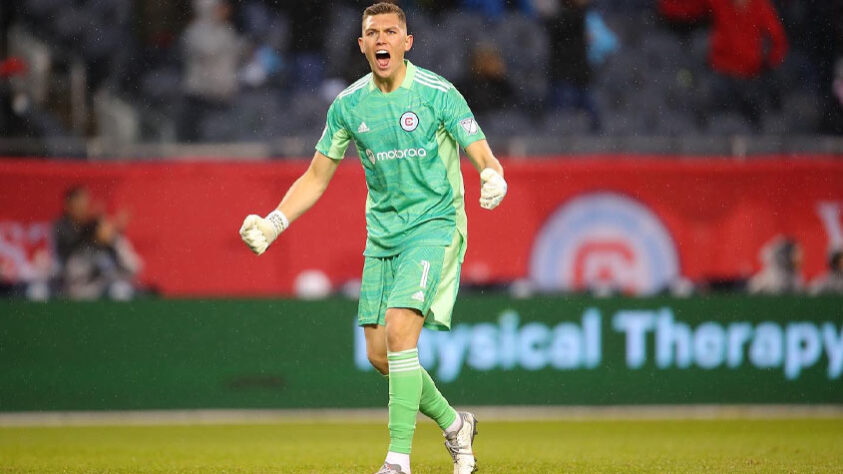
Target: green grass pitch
x,y
717,445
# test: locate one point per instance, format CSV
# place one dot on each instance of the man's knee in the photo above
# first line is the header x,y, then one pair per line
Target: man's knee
x,y
403,326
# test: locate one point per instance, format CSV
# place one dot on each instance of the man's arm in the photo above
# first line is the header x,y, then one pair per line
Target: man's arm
x,y
493,186
306,190
258,232
481,157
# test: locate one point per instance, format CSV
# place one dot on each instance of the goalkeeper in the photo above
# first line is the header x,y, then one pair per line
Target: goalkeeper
x,y
407,124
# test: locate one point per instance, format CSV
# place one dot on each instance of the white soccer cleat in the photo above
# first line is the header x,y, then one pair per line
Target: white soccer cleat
x,y
459,444
390,469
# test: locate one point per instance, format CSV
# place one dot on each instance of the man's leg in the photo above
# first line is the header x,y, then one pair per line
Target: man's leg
x,y
460,428
432,403
411,389
435,406
421,281
403,327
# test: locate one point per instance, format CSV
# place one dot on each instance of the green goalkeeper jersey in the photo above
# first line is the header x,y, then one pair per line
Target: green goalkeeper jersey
x,y
407,141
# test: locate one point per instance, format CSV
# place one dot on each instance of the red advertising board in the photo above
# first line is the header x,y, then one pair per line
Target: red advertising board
x,y
639,221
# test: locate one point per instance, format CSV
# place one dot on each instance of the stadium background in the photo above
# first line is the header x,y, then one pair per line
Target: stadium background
x,y
648,186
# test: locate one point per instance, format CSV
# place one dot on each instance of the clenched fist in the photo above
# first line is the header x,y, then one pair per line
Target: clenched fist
x,y
492,190
259,232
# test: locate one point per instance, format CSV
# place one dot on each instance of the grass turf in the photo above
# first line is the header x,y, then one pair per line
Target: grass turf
x,y
740,445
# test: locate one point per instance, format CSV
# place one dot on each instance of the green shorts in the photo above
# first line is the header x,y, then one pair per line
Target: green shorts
x,y
422,278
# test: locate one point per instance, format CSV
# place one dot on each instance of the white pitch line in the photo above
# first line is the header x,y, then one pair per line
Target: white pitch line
x,y
376,415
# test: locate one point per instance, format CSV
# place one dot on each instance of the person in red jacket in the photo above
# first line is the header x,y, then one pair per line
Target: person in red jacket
x,y
747,40
740,29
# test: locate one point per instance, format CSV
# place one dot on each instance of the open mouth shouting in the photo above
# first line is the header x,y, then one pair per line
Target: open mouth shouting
x,y
382,58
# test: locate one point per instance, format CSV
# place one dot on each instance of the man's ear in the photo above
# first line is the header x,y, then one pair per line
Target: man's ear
x,y
408,43
360,43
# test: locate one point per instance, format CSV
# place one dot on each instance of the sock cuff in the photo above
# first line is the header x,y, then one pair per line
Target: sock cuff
x,y
403,355
404,361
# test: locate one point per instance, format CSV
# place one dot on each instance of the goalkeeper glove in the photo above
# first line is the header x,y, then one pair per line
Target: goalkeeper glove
x,y
492,190
258,232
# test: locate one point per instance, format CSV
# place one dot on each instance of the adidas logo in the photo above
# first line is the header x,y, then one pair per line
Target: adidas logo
x,y
418,296
362,128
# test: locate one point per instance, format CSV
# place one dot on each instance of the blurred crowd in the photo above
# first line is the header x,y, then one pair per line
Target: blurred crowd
x,y
781,271
253,70
84,254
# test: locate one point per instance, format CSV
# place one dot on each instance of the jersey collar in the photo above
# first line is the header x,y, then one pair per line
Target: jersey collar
x,y
408,77
411,73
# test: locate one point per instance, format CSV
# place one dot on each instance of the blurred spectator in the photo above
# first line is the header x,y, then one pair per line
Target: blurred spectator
x,y
10,121
12,66
833,117
308,20
494,9
602,42
23,94
7,19
103,268
739,57
433,7
831,282
72,229
158,25
781,272
487,89
107,39
263,64
212,53
95,259
570,71
263,28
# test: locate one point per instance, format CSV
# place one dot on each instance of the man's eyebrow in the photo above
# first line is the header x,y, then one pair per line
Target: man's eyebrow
x,y
391,27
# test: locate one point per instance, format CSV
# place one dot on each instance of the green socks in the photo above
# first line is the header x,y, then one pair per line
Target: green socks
x,y
405,390
433,404
411,389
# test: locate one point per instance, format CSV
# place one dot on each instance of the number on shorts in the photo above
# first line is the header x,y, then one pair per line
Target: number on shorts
x,y
425,270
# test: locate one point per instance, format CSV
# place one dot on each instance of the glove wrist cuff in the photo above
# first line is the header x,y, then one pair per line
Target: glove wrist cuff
x,y
278,220
489,173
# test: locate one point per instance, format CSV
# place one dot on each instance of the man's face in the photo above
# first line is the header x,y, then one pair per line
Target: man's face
x,y
78,207
384,42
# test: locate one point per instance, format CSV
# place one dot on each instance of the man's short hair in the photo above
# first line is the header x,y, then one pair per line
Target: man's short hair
x,y
73,192
384,8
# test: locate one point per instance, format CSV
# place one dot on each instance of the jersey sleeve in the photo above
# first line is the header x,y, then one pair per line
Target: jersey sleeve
x,y
335,136
459,120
